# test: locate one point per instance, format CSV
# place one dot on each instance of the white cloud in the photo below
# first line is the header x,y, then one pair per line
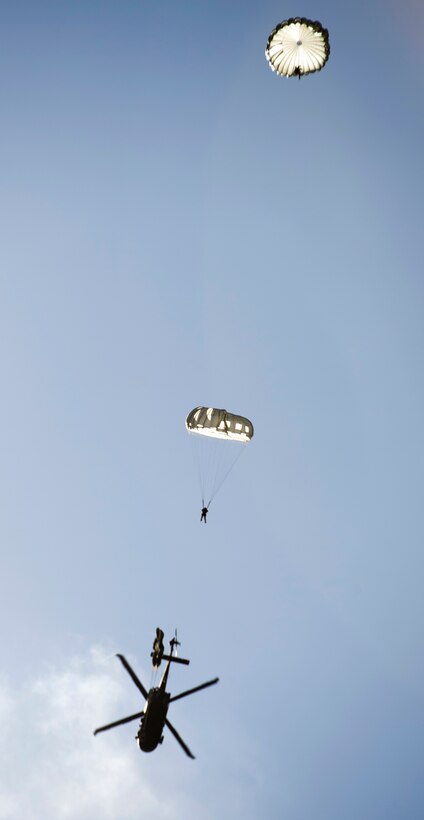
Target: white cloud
x,y
55,769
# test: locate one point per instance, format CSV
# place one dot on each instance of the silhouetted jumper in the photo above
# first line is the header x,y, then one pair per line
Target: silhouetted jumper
x,y
204,514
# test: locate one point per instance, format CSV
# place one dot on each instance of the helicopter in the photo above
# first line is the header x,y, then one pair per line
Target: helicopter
x,y
153,717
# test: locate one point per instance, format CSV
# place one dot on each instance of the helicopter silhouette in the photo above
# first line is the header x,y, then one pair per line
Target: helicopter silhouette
x,y
153,717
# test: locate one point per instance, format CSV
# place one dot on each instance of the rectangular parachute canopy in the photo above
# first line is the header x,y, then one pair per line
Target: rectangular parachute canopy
x,y
210,421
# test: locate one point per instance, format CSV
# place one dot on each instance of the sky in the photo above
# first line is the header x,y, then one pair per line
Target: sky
x,y
181,227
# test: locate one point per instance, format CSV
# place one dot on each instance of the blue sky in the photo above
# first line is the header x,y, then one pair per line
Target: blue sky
x,y
182,227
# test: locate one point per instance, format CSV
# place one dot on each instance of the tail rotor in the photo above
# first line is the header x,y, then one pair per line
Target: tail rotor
x,y
174,643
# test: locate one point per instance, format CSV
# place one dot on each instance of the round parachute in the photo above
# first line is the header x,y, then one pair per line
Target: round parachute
x,y
297,46
217,438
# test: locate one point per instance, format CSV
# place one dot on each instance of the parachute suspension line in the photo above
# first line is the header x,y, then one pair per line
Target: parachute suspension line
x,y
214,470
208,462
225,476
196,456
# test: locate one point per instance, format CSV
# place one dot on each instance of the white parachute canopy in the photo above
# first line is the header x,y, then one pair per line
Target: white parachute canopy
x,y
219,438
297,46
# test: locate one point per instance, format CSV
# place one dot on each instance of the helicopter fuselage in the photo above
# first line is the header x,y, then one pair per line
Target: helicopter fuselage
x,y
152,723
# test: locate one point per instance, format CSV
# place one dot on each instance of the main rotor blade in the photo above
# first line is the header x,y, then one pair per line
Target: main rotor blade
x,y
196,689
132,675
117,723
180,740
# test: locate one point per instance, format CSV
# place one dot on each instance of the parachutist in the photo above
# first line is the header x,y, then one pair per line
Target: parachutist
x,y
204,514
158,648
